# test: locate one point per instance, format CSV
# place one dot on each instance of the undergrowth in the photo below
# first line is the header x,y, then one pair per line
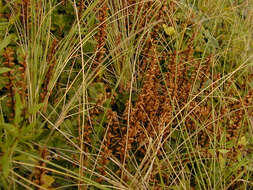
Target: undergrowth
x,y
102,94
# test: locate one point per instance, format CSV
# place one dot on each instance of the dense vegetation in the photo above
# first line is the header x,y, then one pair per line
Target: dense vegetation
x,y
126,94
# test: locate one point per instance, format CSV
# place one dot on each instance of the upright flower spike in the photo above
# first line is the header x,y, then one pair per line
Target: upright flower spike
x,y
44,95
81,6
101,35
9,63
22,83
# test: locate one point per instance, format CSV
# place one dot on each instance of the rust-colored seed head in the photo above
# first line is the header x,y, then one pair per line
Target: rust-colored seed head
x,y
10,86
51,60
101,35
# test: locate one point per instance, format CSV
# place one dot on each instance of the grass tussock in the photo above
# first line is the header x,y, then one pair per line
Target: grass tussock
x,y
126,94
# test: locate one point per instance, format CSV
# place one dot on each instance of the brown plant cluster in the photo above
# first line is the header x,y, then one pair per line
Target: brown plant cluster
x,y
149,115
145,117
16,80
152,111
9,63
109,146
167,99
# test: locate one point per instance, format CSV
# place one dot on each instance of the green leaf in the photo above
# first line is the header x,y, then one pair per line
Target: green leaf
x,y
12,129
89,46
34,109
5,164
21,157
4,70
18,109
6,41
91,20
96,90
3,26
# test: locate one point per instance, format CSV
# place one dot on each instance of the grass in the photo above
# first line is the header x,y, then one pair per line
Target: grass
x,y
126,94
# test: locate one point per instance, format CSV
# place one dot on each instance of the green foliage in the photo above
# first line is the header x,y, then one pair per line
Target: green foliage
x,y
17,135
63,18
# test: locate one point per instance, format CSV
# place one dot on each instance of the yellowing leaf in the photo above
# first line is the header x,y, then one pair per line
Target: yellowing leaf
x,y
47,180
222,161
198,49
223,151
242,141
169,30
